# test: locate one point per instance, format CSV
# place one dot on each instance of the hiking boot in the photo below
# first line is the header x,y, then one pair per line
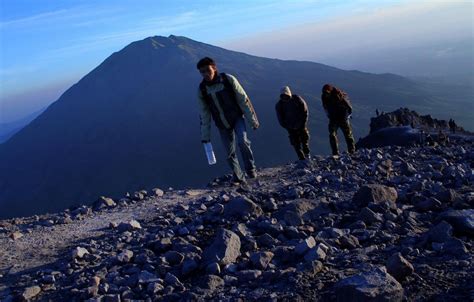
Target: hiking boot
x,y
236,181
252,174
244,187
303,163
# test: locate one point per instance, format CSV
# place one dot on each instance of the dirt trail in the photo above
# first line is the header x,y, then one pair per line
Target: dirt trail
x,y
45,245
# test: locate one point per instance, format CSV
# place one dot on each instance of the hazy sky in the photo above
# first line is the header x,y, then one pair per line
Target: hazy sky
x,y
47,45
406,38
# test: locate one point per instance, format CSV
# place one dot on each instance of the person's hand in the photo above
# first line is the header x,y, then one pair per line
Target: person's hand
x,y
255,126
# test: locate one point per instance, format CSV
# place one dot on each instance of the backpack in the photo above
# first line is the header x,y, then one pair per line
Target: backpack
x,y
231,109
344,100
225,81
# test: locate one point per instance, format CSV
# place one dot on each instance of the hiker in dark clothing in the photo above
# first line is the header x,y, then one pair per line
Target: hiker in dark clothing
x,y
452,125
292,113
222,97
338,109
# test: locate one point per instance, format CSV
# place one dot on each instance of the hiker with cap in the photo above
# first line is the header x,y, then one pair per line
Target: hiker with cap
x,y
338,109
222,97
292,113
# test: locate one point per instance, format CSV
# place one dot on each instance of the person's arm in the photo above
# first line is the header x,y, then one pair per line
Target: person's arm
x,y
324,101
244,102
279,115
304,107
205,116
348,105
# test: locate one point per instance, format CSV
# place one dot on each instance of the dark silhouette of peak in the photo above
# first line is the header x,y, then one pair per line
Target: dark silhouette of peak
x,y
133,123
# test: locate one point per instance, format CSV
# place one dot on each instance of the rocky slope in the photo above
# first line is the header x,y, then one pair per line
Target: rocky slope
x,y
387,224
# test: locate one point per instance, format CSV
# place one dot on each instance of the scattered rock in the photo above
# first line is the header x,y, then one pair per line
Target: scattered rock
x,y
399,267
249,275
104,202
125,256
16,235
147,277
79,252
455,247
260,260
172,280
30,292
129,226
158,192
307,244
442,232
368,216
174,258
213,268
348,242
212,282
316,253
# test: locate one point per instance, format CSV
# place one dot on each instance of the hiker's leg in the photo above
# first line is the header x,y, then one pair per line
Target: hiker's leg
x,y
332,127
245,146
304,136
228,140
347,131
295,141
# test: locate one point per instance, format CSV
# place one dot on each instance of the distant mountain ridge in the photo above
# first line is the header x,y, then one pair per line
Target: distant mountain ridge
x,y
133,123
7,130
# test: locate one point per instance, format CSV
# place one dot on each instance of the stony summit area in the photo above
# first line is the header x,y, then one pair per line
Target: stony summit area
x,y
386,224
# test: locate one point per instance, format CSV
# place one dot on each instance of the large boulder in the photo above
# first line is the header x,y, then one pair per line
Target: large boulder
x,y
391,136
441,232
241,206
225,248
461,220
296,212
375,193
376,285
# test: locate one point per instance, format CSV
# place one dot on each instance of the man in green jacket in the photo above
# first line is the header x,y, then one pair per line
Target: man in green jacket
x,y
222,97
292,113
338,109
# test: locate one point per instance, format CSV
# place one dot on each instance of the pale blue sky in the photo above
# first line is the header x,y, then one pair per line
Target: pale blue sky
x,y
45,46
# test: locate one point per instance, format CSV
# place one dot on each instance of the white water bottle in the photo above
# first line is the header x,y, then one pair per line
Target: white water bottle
x,y
211,157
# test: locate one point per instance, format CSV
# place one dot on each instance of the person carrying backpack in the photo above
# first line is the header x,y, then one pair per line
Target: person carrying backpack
x,y
292,113
222,97
338,109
